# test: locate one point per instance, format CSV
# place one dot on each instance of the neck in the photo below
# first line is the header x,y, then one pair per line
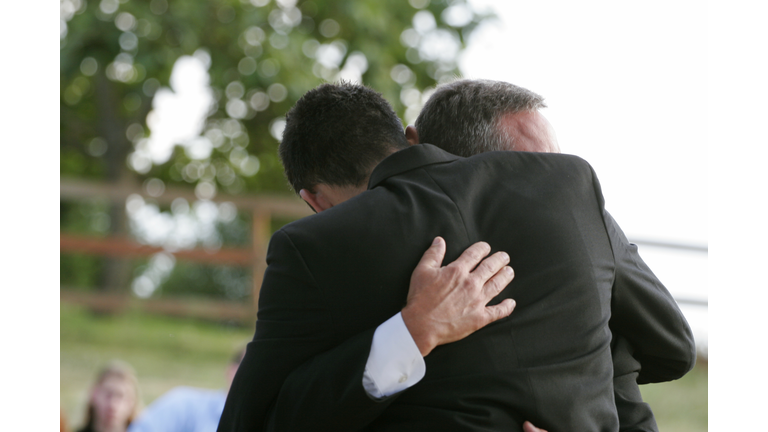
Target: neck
x,y
100,426
337,195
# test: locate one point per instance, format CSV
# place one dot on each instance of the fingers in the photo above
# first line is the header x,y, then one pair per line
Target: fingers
x,y
498,282
472,256
501,310
433,256
491,266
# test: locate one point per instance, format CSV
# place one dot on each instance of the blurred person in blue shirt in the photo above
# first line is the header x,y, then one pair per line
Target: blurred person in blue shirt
x,y
187,409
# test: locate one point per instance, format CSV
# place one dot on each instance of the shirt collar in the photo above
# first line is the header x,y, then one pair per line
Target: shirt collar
x,y
415,156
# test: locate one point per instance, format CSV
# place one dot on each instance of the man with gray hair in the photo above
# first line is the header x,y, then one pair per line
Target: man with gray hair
x,y
469,117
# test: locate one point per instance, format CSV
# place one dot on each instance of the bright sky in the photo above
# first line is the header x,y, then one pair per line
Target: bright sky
x,y
626,89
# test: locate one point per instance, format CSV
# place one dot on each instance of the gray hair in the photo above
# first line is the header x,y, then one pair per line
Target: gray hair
x,y
461,117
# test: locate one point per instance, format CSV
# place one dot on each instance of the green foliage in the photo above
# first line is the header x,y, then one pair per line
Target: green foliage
x,y
115,54
261,56
232,283
236,233
85,217
80,271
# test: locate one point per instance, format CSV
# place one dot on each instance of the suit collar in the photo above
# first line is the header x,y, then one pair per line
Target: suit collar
x,y
413,157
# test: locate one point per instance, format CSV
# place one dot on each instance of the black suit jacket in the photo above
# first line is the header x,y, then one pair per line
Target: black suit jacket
x,y
332,278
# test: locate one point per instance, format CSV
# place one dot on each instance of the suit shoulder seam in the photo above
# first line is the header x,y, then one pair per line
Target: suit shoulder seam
x,y
324,298
298,252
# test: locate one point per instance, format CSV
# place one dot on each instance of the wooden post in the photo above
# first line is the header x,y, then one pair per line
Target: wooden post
x,y
262,208
261,232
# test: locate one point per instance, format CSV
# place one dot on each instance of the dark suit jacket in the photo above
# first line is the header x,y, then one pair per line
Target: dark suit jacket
x,y
332,278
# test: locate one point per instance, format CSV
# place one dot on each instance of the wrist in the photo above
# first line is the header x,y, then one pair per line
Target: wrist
x,y
424,339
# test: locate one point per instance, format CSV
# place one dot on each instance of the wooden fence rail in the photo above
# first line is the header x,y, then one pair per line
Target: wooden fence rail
x,y
206,309
262,208
127,248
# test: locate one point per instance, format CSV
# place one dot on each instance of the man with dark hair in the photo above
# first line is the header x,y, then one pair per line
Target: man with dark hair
x,y
333,124
470,117
336,278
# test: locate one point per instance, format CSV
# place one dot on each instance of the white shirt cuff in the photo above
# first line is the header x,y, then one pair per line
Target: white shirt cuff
x,y
395,362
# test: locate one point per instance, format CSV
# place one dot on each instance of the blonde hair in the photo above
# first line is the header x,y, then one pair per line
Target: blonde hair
x,y
124,371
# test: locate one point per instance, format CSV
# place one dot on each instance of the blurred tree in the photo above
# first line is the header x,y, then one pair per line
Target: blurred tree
x,y
257,58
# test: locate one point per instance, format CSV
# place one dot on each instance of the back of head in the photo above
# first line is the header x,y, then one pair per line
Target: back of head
x,y
462,117
336,134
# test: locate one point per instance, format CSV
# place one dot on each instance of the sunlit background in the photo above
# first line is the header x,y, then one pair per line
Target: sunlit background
x,y
171,113
625,88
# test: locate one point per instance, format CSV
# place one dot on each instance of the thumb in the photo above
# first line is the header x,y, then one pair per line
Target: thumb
x,y
433,257
529,427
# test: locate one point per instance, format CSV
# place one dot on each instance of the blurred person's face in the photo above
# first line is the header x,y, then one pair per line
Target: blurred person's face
x,y
113,401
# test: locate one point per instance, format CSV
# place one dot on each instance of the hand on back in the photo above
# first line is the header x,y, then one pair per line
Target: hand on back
x,y
446,304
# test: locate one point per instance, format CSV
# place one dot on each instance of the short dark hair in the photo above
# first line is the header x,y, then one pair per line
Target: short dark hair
x,y
336,134
462,117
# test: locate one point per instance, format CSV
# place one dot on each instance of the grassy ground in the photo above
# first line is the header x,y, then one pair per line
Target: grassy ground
x,y
167,352
680,406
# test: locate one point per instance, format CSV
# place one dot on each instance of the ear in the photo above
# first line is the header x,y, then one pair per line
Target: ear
x,y
412,135
317,201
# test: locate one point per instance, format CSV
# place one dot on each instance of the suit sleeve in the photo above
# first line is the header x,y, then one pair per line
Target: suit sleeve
x,y
644,312
289,329
295,375
327,394
634,414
